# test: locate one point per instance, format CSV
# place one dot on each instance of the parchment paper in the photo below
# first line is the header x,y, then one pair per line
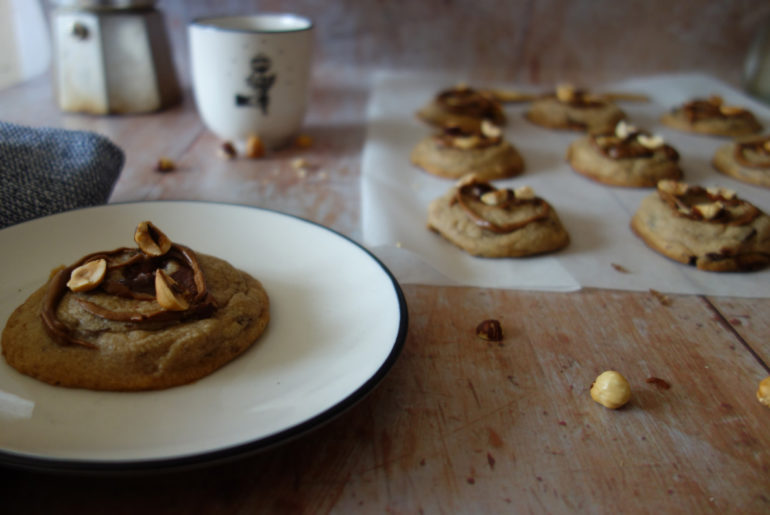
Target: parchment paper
x,y
395,195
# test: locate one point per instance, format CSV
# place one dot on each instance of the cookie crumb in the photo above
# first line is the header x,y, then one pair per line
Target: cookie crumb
x,y
621,268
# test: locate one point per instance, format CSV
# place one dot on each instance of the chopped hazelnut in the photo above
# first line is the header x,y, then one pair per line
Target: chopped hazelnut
x,y
303,141
524,193
495,198
151,240
721,192
650,142
763,392
166,294
227,151
490,330
490,130
709,211
611,390
624,129
88,276
673,187
565,92
254,147
165,164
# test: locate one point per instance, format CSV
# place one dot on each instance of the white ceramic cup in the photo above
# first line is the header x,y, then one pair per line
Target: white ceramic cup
x,y
251,75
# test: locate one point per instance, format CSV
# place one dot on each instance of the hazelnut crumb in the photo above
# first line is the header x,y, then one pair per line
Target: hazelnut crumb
x,y
490,330
299,163
227,151
662,298
165,164
303,141
621,268
254,147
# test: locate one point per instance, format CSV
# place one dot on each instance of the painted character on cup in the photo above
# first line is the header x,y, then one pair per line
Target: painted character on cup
x,y
261,80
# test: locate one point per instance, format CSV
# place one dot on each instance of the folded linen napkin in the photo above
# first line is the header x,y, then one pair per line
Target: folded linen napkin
x,y
45,171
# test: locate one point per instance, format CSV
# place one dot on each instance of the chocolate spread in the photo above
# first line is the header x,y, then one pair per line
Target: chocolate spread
x,y
759,147
131,275
735,212
629,147
475,190
450,134
711,108
469,102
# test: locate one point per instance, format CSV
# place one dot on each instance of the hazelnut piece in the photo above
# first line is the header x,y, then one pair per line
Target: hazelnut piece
x,y
88,275
151,240
673,187
490,130
490,330
167,294
651,142
611,390
763,393
254,147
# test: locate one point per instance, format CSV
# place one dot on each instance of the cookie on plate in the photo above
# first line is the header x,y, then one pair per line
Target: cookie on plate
x,y
143,318
626,156
747,160
454,152
711,116
709,228
489,222
575,109
462,107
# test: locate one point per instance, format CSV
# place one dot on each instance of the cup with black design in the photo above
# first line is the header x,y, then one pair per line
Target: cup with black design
x,y
251,75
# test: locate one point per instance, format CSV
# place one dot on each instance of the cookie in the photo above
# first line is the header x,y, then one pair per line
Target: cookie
x,y
489,222
575,109
626,156
462,107
454,153
747,160
711,116
711,229
136,319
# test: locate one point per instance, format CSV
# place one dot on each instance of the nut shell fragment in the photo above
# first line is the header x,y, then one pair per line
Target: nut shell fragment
x,y
611,390
166,294
88,276
151,240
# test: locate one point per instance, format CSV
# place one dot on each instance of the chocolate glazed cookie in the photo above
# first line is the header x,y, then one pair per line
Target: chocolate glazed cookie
x,y
710,229
747,160
136,319
489,222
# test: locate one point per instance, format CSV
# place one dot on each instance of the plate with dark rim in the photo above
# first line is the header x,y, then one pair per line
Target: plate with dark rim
x,y
338,323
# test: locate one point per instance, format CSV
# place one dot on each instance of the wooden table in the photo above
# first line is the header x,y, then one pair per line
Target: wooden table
x,y
459,424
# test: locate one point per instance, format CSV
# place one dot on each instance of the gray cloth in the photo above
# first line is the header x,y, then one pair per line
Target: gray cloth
x,y
45,171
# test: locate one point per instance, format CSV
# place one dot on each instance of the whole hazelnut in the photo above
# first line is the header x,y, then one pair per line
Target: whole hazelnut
x,y
611,390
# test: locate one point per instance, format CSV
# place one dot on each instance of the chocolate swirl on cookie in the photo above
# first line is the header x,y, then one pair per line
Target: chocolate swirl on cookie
x,y
577,97
712,108
466,101
754,153
131,273
474,191
629,142
454,136
712,205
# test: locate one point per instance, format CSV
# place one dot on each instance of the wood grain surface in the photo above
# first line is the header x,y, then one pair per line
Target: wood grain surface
x,y
460,424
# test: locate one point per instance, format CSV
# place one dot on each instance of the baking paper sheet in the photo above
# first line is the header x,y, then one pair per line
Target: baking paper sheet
x,y
395,195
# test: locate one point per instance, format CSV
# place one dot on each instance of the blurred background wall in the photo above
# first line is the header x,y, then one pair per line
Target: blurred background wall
x,y
519,41
526,41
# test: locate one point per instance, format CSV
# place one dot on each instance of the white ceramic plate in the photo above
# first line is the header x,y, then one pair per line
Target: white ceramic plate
x,y
338,322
